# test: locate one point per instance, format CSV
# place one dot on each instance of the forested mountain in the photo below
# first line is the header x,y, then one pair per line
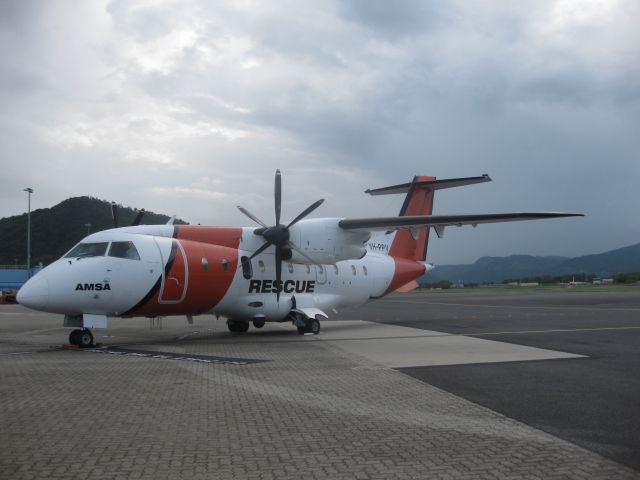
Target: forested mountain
x,y
55,230
498,269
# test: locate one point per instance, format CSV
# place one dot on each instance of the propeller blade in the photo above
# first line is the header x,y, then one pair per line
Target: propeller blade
x,y
260,250
114,214
278,273
136,221
278,196
251,216
306,212
299,250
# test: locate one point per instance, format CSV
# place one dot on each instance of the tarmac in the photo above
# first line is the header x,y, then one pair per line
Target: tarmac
x,y
411,386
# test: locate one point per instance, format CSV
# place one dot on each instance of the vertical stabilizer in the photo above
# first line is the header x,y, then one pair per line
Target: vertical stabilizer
x,y
411,244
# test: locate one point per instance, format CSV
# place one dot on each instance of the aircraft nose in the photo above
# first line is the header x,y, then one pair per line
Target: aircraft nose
x,y
35,293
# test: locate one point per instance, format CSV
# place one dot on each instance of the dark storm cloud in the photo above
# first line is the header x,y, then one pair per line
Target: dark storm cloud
x,y
394,19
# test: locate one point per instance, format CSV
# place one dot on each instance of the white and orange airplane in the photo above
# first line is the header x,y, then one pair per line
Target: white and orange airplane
x,y
279,273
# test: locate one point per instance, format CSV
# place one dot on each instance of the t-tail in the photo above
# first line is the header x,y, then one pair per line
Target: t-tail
x,y
412,243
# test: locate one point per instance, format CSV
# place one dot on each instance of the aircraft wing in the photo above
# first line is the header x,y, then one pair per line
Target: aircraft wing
x,y
439,222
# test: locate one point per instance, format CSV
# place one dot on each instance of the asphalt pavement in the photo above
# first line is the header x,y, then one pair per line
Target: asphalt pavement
x,y
593,402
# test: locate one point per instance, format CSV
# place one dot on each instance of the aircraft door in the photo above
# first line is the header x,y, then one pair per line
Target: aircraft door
x,y
175,275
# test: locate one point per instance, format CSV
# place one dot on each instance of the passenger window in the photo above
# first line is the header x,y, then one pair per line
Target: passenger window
x,y
205,264
225,265
124,250
261,265
88,250
353,269
290,267
335,269
364,269
308,268
247,271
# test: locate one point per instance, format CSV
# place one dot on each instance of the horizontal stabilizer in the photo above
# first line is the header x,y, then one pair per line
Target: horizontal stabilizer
x,y
441,221
435,184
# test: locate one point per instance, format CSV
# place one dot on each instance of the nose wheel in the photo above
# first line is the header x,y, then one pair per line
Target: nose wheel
x,y
83,338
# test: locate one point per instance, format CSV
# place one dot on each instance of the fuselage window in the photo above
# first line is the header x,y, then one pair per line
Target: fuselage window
x,y
335,269
205,264
88,250
225,264
290,267
261,265
364,269
353,269
246,267
124,250
308,268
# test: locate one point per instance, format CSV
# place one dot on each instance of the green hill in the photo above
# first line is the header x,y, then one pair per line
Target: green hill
x,y
55,230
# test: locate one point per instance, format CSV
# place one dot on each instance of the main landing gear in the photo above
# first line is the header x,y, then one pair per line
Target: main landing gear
x,y
237,326
303,323
82,338
306,324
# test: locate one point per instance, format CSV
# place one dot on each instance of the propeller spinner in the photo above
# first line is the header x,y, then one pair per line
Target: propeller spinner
x,y
278,234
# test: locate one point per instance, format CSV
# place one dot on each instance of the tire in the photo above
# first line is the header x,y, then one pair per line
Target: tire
x,y
314,326
301,330
237,327
73,337
85,338
258,323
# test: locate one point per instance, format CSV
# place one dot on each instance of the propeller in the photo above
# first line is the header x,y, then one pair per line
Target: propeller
x,y
278,234
114,216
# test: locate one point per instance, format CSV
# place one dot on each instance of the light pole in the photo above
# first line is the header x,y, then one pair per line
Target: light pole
x,y
29,192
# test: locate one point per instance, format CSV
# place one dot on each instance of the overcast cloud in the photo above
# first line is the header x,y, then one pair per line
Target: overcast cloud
x,y
188,107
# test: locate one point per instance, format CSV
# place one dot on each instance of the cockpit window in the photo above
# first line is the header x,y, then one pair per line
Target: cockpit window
x,y
124,250
88,250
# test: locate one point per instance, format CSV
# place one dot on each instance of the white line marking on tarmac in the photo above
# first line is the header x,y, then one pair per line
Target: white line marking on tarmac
x,y
519,307
16,353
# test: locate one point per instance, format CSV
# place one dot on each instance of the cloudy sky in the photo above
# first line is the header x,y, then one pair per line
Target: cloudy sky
x,y
188,107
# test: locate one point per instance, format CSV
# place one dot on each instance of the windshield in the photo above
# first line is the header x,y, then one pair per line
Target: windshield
x,y
88,250
124,250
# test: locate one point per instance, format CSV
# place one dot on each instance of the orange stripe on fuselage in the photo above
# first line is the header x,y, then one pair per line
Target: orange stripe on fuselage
x,y
222,236
212,260
405,271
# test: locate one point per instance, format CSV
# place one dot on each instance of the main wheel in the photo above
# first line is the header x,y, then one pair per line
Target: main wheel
x,y
313,325
74,337
302,330
237,327
85,338
258,323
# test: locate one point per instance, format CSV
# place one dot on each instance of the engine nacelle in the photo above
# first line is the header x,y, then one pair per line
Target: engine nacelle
x,y
322,240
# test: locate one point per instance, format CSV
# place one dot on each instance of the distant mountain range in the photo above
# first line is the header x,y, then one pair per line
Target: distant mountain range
x,y
498,269
55,230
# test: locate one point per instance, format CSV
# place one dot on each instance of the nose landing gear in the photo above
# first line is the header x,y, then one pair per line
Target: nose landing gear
x,y
82,338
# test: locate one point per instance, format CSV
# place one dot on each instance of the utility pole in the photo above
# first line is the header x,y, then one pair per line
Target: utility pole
x,y
29,192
